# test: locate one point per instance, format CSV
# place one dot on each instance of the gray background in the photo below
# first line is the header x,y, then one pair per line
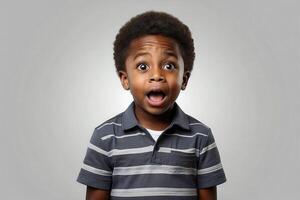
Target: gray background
x,y
57,83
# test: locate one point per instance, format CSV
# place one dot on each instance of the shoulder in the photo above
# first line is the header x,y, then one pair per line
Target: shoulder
x,y
110,123
198,126
107,127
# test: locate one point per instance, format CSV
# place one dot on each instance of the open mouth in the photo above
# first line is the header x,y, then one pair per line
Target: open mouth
x,y
156,97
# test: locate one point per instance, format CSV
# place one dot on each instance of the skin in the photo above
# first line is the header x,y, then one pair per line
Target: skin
x,y
96,194
153,62
207,193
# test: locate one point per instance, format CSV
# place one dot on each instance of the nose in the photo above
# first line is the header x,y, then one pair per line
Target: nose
x,y
157,75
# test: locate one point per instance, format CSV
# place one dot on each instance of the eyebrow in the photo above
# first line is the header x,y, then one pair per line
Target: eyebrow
x,y
167,53
140,54
171,53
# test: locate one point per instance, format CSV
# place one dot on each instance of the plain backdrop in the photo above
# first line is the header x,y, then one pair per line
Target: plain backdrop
x,y
58,82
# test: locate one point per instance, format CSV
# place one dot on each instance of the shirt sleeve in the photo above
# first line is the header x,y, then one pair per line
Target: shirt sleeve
x,y
96,170
210,170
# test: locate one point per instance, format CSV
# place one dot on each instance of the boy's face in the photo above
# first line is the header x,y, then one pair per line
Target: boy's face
x,y
154,73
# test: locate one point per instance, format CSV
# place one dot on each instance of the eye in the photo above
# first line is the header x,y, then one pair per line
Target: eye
x,y
142,67
169,66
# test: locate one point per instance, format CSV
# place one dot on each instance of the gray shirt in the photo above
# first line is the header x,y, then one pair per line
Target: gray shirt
x,y
123,157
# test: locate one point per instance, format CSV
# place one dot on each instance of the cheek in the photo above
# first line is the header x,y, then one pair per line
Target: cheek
x,y
136,84
135,78
175,87
176,81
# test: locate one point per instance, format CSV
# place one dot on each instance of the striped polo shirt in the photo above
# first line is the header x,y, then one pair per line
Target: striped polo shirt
x,y
123,157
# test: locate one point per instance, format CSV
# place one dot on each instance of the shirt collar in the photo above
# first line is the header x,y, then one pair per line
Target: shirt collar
x,y
129,119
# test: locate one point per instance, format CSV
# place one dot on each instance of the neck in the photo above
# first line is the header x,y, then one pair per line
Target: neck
x,y
154,122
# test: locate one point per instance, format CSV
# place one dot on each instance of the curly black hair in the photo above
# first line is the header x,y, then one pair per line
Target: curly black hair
x,y
154,23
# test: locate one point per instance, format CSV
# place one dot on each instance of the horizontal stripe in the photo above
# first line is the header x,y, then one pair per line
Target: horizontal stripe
x,y
155,180
188,136
96,171
210,169
193,124
137,134
123,136
153,191
117,152
209,147
154,169
106,124
99,150
169,150
139,150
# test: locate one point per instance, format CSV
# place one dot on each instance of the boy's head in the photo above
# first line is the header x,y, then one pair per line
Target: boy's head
x,y
154,23
154,55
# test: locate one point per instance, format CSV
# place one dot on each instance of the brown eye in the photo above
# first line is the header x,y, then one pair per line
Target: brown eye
x,y
169,66
142,67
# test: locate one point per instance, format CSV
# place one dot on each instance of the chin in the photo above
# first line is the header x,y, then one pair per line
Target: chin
x,y
158,110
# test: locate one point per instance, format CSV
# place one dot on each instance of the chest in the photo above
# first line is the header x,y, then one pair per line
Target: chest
x,y
139,148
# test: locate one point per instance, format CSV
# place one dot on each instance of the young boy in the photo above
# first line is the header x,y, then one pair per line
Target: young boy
x,y
153,150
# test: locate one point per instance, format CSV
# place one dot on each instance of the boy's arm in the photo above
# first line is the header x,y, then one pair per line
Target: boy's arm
x,y
207,193
96,194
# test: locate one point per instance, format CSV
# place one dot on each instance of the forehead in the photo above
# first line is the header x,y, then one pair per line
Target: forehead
x,y
149,42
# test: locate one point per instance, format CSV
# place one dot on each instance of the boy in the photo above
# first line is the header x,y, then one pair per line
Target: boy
x,y
153,150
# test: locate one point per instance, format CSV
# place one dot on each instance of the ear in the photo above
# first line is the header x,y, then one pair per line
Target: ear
x,y
124,79
186,77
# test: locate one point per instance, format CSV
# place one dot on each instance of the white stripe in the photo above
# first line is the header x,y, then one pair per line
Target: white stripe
x,y
99,150
188,136
209,147
153,169
110,123
169,150
124,136
153,191
116,152
139,150
96,171
210,169
192,124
